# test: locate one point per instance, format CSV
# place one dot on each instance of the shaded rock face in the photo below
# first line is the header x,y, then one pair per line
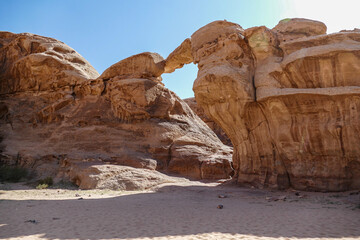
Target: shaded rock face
x,y
287,97
216,128
123,117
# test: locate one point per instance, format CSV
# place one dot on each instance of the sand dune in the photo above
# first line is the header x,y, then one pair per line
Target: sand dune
x,y
184,211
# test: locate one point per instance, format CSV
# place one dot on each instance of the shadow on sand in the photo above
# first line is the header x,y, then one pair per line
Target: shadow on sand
x,y
178,211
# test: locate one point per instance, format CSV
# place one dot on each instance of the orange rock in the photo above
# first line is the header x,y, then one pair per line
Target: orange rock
x,y
215,127
180,56
291,108
293,28
35,63
143,65
124,117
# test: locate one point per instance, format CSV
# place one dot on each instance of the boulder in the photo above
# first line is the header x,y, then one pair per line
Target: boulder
x,y
95,175
143,65
292,28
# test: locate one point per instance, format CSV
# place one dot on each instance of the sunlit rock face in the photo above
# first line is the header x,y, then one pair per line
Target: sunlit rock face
x,y
287,97
34,63
61,119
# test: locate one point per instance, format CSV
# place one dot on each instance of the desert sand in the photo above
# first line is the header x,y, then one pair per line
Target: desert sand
x,y
185,210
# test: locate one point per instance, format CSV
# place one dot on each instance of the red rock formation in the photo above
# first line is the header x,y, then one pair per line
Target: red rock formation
x,y
57,112
288,98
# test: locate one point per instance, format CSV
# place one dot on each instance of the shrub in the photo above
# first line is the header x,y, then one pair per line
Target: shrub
x,y
46,181
285,20
42,186
12,174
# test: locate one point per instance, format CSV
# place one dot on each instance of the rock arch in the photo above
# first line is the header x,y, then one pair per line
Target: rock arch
x,y
288,98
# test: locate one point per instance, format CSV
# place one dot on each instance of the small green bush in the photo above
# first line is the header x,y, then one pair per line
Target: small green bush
x,y
46,181
12,174
285,20
42,186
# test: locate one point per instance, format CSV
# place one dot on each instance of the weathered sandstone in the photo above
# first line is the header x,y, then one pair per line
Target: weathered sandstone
x,y
144,65
91,175
212,125
288,99
31,63
293,28
56,113
180,56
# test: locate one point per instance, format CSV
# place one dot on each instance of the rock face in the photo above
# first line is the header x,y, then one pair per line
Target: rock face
x,y
31,63
287,97
216,128
56,111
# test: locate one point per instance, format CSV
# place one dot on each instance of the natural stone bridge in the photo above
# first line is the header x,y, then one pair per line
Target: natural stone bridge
x,y
287,97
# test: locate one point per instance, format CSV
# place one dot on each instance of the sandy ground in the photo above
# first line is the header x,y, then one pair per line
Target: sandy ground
x,y
187,210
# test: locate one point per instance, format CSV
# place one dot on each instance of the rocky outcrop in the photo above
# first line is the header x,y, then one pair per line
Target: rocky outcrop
x,y
212,125
144,65
293,28
31,63
288,98
58,111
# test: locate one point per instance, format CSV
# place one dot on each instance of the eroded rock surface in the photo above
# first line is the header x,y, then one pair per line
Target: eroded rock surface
x,y
92,175
31,63
58,111
293,28
180,56
288,98
216,128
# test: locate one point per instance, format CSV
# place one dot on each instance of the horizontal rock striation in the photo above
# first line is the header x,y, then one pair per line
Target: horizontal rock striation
x,y
287,97
289,100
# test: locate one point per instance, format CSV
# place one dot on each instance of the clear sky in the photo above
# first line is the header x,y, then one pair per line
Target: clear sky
x,y
106,31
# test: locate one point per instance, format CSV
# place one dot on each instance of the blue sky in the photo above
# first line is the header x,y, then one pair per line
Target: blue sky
x,y
106,31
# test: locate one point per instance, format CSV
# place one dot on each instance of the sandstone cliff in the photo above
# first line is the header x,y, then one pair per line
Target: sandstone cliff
x,y
60,118
287,97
